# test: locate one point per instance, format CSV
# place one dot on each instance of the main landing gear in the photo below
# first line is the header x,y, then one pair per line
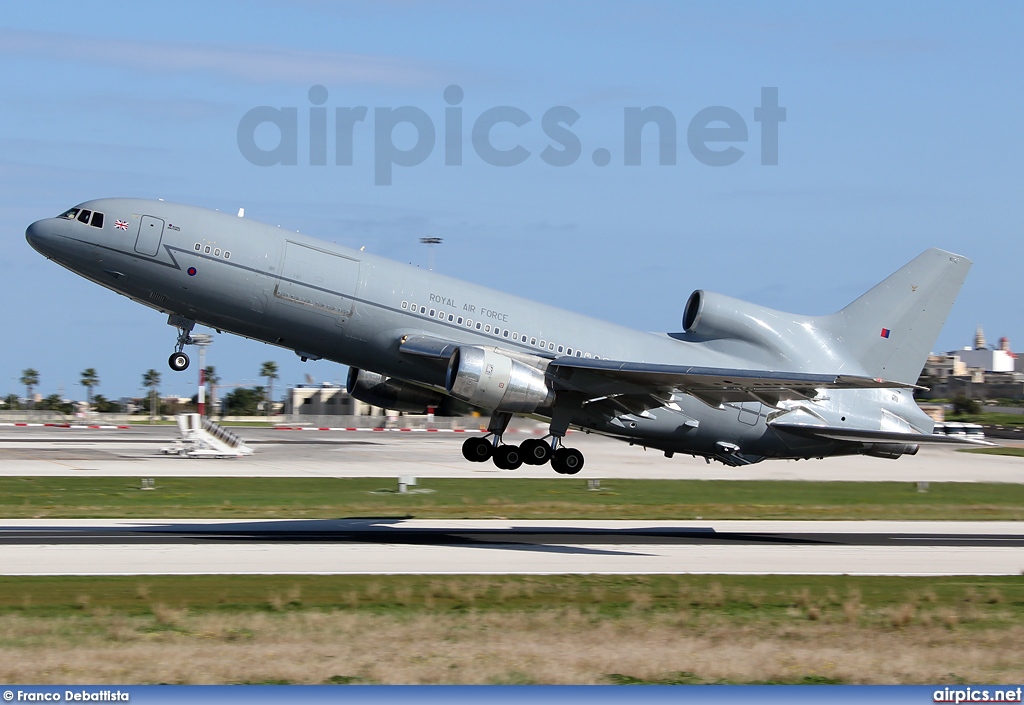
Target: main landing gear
x,y
532,451
178,361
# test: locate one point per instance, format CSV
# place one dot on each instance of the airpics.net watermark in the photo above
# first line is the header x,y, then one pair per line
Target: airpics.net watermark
x,y
711,134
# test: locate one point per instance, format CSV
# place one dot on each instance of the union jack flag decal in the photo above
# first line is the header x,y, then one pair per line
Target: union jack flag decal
x,y
121,224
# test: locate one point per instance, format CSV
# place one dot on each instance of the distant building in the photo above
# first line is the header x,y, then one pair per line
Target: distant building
x,y
979,339
326,400
979,372
986,360
942,367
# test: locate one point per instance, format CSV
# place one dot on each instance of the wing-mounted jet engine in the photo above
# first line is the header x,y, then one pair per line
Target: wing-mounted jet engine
x,y
486,378
389,393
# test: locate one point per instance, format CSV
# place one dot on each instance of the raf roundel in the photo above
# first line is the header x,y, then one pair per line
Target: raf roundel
x,y
191,271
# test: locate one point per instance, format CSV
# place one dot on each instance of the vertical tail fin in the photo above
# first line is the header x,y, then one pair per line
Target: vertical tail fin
x,y
891,329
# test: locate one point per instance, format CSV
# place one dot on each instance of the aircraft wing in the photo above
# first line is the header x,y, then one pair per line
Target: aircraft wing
x,y
858,435
712,385
640,385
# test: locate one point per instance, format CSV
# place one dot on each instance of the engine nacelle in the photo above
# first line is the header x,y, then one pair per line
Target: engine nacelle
x,y
488,379
388,393
711,315
891,450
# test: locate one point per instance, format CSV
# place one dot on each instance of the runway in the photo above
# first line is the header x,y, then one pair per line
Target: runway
x,y
100,547
375,546
136,453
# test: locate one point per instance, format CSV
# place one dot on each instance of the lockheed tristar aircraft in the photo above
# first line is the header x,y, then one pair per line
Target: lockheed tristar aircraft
x,y
739,383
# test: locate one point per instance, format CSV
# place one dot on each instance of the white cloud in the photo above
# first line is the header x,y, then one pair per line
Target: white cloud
x,y
259,64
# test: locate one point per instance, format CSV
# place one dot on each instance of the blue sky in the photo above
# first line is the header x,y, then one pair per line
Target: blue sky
x,y
902,132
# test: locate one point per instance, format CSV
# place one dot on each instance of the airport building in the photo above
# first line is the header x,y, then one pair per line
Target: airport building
x,y
978,372
326,400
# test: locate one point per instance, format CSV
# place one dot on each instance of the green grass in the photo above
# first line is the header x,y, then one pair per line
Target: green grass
x,y
107,497
997,600
993,418
1001,450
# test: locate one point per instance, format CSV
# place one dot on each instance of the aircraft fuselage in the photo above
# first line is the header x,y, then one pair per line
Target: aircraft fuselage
x,y
323,300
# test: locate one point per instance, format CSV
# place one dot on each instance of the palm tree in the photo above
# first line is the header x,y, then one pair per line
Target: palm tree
x,y
151,379
90,379
269,370
212,380
30,378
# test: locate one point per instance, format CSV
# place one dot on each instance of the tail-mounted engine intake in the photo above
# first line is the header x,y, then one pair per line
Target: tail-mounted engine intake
x,y
387,393
490,380
710,315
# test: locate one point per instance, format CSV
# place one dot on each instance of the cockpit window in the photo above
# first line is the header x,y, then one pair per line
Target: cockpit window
x,y
93,218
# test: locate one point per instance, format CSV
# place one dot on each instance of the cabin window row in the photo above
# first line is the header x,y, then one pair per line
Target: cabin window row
x,y
496,331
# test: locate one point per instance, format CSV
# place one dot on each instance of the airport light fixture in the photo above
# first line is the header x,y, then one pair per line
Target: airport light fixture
x,y
430,242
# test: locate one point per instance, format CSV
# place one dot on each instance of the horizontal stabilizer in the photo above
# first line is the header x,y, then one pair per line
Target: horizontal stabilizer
x,y
864,435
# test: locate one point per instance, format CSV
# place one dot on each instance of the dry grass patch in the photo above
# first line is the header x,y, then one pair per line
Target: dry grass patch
x,y
502,629
315,646
902,615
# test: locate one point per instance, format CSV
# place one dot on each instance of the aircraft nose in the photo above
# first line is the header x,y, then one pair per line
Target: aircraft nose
x,y
38,235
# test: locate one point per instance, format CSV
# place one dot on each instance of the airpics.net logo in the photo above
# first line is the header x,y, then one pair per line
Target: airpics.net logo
x,y
715,136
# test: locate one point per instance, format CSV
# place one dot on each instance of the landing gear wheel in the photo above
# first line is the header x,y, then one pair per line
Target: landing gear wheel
x,y
567,461
535,451
508,457
477,450
178,361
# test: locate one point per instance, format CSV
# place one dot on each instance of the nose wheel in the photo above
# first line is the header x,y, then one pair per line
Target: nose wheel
x,y
178,361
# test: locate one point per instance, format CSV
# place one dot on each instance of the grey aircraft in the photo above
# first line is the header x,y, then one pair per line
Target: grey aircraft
x,y
739,383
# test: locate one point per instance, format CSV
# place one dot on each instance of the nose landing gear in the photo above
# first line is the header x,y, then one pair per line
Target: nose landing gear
x,y
178,361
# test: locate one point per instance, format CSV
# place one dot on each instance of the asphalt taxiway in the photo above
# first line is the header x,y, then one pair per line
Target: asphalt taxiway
x,y
135,452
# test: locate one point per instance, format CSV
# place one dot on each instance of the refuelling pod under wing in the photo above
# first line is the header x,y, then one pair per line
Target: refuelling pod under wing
x,y
388,393
488,379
